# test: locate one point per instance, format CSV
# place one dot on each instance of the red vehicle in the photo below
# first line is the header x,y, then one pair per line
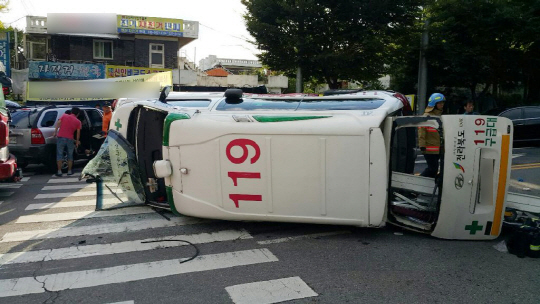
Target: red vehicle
x,y
8,162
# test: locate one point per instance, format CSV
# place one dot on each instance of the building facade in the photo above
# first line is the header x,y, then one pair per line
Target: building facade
x,y
122,45
236,66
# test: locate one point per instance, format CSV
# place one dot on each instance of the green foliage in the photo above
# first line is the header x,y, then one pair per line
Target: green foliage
x,y
3,9
329,40
483,42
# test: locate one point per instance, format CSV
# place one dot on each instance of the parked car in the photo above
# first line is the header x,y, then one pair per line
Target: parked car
x,y
12,106
32,141
526,121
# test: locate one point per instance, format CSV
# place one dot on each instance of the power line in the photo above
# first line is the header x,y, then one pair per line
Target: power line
x,y
15,20
213,29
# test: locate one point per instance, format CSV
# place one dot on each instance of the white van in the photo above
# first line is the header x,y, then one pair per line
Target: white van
x,y
344,160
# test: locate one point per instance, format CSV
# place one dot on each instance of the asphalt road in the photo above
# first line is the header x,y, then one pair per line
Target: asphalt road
x,y
55,249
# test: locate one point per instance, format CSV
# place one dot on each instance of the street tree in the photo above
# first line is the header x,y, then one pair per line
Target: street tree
x,y
3,9
329,40
477,44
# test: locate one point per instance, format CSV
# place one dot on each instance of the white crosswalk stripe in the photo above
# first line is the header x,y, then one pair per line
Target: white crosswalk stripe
x,y
11,186
67,204
39,218
141,224
130,273
6,194
69,194
65,180
75,186
273,291
120,247
25,179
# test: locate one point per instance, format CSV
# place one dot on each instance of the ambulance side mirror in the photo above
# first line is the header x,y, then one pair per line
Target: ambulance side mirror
x,y
162,168
164,93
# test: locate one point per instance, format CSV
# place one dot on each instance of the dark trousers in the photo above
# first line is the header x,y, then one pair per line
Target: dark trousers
x,y
432,165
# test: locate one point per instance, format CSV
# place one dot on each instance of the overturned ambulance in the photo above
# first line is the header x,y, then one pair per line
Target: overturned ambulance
x,y
349,159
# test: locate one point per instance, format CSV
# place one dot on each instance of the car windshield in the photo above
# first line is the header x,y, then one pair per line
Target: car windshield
x,y
306,104
23,119
116,164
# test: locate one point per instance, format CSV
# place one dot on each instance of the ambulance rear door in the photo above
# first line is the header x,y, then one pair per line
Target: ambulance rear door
x,y
476,172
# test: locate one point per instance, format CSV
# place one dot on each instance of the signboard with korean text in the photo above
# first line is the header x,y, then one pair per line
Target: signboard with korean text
x,y
141,86
150,26
4,52
114,71
61,70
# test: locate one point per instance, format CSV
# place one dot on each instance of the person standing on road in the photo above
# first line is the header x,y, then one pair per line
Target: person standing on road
x,y
469,108
429,139
107,115
65,127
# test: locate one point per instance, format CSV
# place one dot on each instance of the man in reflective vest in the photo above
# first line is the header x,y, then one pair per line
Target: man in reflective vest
x,y
429,139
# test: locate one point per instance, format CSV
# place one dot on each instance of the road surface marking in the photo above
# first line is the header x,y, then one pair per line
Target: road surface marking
x,y
10,186
124,302
141,224
66,216
75,186
5,194
68,204
132,272
25,179
273,291
78,252
65,180
70,194
302,237
526,166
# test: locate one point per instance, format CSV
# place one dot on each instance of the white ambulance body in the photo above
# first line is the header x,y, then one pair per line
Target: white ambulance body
x,y
342,160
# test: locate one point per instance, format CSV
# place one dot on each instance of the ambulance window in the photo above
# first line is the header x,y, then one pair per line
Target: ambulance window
x,y
200,103
258,104
341,104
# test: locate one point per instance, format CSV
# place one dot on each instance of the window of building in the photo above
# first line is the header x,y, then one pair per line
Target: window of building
x,y
157,55
37,49
103,49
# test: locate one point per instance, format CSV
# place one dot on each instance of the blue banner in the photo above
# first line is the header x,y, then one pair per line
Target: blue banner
x,y
4,52
61,70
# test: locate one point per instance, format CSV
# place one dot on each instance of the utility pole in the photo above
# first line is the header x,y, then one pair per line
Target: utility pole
x,y
422,70
16,48
299,80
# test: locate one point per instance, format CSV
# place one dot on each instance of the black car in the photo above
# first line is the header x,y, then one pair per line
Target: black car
x,y
12,105
526,121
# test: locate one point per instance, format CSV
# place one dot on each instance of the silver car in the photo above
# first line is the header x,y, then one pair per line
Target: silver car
x,y
31,136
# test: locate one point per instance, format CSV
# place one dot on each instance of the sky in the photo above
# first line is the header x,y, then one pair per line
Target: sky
x,y
222,31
